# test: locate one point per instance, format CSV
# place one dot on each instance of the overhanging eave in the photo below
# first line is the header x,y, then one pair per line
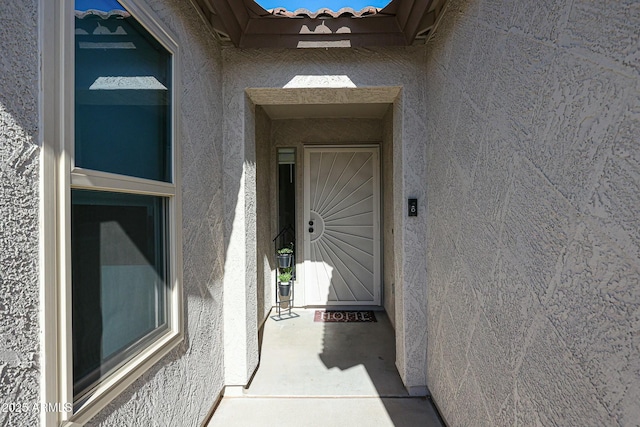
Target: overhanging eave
x,y
247,25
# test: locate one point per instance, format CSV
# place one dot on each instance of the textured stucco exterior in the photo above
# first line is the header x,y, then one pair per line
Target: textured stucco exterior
x,y
181,389
241,266
388,223
19,211
246,69
533,113
515,293
266,219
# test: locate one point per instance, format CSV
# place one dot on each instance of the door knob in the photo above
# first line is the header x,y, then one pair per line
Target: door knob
x,y
310,229
310,222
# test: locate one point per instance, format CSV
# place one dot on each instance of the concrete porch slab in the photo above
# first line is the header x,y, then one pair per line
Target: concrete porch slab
x,y
301,357
316,374
323,411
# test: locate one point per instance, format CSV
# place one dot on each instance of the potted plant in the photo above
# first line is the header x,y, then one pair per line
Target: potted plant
x,y
284,284
285,256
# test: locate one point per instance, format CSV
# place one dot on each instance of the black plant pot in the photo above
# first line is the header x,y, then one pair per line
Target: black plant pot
x,y
284,260
284,288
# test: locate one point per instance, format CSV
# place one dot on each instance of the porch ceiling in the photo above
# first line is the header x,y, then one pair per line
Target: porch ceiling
x,y
326,111
315,101
248,25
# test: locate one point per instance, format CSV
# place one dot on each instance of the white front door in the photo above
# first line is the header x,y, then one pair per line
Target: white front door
x,y
342,225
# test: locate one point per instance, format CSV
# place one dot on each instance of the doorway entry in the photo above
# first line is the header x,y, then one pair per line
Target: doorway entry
x,y
342,225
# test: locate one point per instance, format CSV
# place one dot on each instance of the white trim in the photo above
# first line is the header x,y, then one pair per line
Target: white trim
x,y
49,124
66,89
65,154
96,180
117,382
150,21
58,176
377,276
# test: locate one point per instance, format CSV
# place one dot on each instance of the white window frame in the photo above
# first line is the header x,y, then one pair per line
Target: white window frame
x,y
58,176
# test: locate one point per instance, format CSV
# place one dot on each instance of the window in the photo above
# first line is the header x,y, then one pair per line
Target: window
x,y
122,210
122,94
286,196
119,279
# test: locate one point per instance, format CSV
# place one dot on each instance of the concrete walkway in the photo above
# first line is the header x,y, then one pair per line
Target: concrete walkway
x,y
318,374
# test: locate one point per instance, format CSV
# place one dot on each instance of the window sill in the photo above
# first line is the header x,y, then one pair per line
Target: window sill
x,y
118,382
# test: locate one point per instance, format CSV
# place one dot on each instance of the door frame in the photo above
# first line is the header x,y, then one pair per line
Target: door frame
x,y
377,212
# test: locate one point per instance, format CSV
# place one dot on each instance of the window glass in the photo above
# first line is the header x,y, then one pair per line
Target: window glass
x,y
123,94
286,195
122,279
119,278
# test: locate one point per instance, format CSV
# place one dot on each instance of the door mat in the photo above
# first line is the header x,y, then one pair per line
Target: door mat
x,y
344,316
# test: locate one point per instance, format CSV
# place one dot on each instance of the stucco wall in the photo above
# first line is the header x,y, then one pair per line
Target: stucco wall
x,y
362,67
389,276
19,201
266,202
533,109
181,389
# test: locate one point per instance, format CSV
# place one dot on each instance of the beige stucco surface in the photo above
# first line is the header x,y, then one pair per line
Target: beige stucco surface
x,y
388,222
310,69
266,217
533,113
181,389
19,203
516,291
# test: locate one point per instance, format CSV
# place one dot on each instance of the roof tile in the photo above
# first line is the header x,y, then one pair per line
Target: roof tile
x,y
324,12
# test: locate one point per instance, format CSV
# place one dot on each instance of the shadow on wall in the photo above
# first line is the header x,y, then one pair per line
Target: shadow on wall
x,y
203,210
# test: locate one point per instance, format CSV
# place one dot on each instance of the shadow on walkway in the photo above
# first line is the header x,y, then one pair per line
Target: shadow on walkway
x,y
314,373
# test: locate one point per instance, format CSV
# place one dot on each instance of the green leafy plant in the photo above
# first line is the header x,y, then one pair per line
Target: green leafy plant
x,y
285,251
284,277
